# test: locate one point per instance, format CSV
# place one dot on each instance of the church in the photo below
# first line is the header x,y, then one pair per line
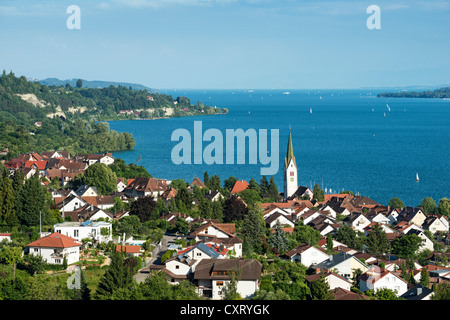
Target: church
x,y
291,188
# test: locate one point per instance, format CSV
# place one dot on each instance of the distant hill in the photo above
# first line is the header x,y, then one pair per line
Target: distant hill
x,y
92,83
441,93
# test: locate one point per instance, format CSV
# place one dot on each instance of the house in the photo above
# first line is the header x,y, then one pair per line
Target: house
x,y
418,292
343,264
302,193
179,268
55,247
393,215
378,217
307,255
239,185
342,294
98,231
204,251
5,237
427,244
143,186
130,250
278,217
334,280
55,154
88,212
199,183
120,185
214,196
70,203
213,230
436,223
213,275
404,227
105,158
358,221
367,230
376,278
169,194
86,191
413,215
324,223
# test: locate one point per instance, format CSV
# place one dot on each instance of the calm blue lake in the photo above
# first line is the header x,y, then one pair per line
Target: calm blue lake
x,y
343,140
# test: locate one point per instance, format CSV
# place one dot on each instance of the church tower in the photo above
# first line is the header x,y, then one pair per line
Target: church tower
x,y
290,170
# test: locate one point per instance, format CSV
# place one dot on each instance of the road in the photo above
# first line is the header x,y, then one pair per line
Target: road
x,y
168,239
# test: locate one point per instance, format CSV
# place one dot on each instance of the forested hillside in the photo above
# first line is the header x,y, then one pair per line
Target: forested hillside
x,y
441,93
36,117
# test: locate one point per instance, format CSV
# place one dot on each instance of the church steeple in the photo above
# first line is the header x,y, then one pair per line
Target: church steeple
x,y
290,170
290,151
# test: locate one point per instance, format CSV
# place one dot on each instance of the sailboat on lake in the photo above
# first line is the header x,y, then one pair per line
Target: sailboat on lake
x,y
417,177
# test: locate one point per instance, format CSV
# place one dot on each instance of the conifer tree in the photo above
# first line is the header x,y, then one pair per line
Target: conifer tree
x,y
7,201
320,289
279,239
117,277
424,277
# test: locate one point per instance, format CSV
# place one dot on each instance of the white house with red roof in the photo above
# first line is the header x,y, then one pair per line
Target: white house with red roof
x,y
375,278
54,247
5,236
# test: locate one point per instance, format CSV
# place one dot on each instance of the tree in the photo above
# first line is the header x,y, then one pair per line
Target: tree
x,y
99,175
7,201
396,203
272,191
329,247
143,207
425,278
118,276
79,83
206,179
10,256
182,226
306,234
428,205
234,209
229,183
377,241
263,187
278,239
441,291
406,246
253,230
318,193
32,202
250,196
320,289
230,291
444,207
386,294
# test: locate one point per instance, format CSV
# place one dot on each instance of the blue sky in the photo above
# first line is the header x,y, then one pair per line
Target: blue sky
x,y
226,44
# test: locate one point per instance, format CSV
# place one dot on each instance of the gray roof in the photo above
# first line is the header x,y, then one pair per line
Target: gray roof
x,y
417,292
337,259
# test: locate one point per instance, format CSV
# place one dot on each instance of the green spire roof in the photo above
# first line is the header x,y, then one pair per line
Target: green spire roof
x,y
290,151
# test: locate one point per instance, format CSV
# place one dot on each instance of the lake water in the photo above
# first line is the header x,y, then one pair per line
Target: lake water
x,y
350,141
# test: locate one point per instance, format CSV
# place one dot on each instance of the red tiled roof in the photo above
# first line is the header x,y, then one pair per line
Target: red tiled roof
x,y
128,249
39,164
239,186
55,240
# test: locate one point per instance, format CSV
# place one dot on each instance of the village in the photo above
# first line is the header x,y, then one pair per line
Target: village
x,y
207,251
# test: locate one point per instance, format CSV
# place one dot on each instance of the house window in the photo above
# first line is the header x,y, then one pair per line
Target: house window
x,y
36,250
219,283
177,267
75,233
57,260
199,254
